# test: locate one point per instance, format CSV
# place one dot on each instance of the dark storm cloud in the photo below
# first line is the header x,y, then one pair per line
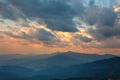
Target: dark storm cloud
x,y
104,18
39,34
105,33
1,37
56,14
100,17
107,17
105,21
6,12
83,38
36,36
44,35
22,35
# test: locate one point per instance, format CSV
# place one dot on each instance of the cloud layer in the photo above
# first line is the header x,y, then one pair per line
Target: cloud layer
x,y
62,23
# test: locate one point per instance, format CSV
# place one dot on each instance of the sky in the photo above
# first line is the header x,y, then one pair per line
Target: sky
x,y
47,26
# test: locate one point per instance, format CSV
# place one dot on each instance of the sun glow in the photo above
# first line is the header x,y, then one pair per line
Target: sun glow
x,y
117,9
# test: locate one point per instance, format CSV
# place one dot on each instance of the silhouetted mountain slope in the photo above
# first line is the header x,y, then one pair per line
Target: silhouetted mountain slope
x,y
102,68
108,69
90,79
98,69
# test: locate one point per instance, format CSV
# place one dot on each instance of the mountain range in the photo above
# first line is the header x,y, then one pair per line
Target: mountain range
x,y
59,66
62,59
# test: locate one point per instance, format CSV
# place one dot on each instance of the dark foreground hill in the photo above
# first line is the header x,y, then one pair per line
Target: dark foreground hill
x,y
102,68
98,70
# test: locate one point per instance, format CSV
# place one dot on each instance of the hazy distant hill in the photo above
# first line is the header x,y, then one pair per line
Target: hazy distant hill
x,y
63,66
17,70
15,73
62,59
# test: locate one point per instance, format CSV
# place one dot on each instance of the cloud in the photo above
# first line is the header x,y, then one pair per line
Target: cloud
x,y
57,15
44,35
3,1
97,23
105,33
1,37
103,19
83,38
4,10
100,17
36,35
111,43
8,11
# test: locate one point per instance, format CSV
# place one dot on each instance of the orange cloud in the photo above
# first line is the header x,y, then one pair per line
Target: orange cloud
x,y
30,40
14,46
